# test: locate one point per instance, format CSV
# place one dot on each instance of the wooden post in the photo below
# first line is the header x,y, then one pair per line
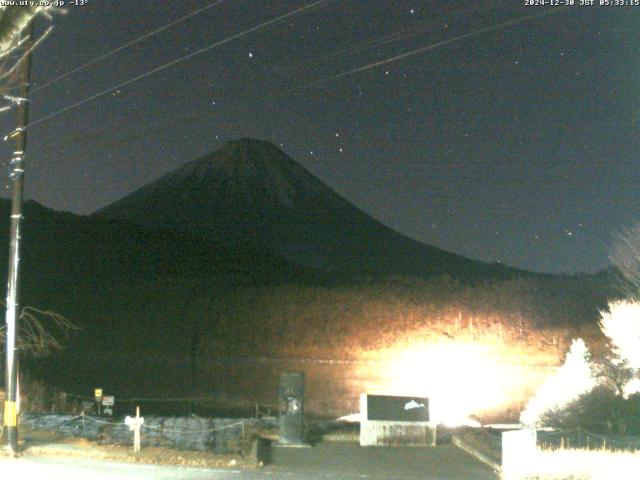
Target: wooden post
x,y
243,442
134,425
136,432
12,316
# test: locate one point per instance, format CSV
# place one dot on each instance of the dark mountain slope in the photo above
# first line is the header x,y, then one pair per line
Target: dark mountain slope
x,y
97,272
251,191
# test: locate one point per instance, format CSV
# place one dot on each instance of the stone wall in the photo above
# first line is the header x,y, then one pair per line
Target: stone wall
x,y
219,435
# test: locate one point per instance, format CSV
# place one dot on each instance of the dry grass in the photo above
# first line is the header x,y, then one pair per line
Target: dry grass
x,y
41,443
344,321
579,464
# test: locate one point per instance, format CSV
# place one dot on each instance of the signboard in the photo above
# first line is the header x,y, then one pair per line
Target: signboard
x,y
134,423
107,404
397,409
97,393
395,420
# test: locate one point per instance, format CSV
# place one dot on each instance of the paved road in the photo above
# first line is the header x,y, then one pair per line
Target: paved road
x,y
331,461
80,469
348,460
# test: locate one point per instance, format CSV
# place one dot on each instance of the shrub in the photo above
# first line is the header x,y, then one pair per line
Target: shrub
x,y
600,411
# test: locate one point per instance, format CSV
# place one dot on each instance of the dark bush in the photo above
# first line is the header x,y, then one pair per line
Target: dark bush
x,y
600,411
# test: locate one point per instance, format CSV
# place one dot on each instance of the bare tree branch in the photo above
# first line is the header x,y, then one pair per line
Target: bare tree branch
x,y
40,332
13,22
23,56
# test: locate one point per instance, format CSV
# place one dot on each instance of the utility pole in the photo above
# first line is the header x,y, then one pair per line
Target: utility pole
x,y
16,177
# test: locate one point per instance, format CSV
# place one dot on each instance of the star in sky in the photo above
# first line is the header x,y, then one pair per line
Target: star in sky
x,y
519,128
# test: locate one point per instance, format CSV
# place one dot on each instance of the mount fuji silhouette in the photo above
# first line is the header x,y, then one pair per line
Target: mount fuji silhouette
x,y
249,191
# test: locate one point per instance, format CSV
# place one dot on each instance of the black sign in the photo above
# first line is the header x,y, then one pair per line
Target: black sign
x,y
397,409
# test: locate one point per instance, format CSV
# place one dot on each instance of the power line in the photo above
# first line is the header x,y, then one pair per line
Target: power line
x,y
126,45
177,61
392,37
429,47
189,118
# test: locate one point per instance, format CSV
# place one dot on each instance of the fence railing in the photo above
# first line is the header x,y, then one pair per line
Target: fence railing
x,y
583,439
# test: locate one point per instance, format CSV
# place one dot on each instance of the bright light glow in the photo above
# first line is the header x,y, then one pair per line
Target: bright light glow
x,y
351,418
574,378
518,453
458,378
631,387
622,325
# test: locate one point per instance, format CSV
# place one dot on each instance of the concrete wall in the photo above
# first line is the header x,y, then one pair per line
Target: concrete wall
x,y
375,433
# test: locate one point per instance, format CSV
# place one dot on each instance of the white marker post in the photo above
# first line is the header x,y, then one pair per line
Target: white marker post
x,y
135,424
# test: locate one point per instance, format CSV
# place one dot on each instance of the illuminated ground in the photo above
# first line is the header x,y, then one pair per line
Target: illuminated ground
x,y
332,460
71,469
348,460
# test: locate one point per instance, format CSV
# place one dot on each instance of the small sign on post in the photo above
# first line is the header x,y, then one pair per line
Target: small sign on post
x,y
134,424
107,403
97,395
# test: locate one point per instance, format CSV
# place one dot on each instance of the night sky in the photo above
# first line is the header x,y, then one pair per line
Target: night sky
x,y
519,144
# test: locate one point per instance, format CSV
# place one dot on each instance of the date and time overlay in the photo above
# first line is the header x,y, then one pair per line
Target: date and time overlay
x,y
43,3
581,3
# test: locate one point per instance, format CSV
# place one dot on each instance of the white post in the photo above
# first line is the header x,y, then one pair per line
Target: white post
x,y
518,453
134,425
136,432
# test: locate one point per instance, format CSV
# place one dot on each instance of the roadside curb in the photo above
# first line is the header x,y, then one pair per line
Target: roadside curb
x,y
462,445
